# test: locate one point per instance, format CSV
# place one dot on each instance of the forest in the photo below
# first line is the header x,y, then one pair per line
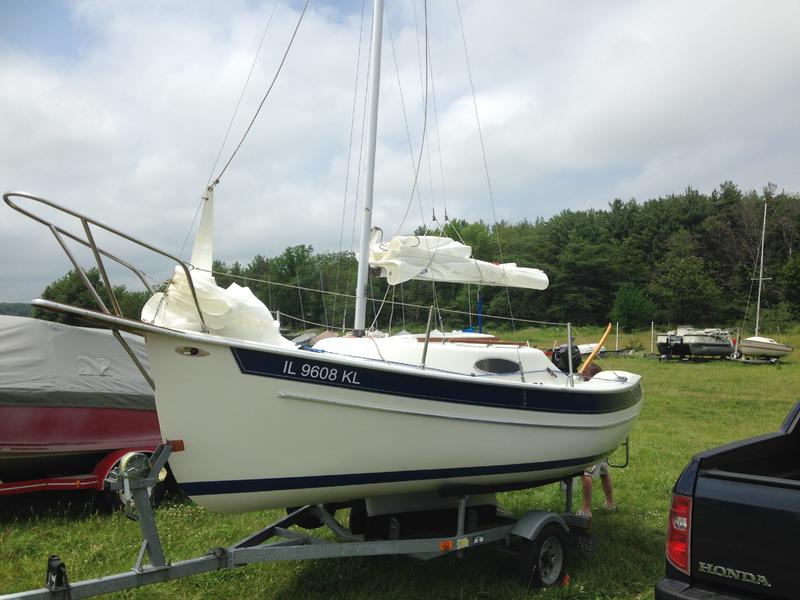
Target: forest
x,y
687,258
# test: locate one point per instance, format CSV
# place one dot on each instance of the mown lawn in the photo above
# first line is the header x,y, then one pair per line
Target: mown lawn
x,y
688,407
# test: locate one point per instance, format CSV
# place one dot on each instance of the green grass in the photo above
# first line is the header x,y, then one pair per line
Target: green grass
x,y
688,407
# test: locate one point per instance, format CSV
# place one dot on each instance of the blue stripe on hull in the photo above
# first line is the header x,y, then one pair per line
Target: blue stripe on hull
x,y
364,379
241,486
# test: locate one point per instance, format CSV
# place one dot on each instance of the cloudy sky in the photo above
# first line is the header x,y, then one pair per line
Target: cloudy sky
x,y
118,110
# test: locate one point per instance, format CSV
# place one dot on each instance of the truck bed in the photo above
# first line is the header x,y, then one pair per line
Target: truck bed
x,y
746,515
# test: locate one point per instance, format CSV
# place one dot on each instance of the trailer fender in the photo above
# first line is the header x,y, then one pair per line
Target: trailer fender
x,y
103,468
532,522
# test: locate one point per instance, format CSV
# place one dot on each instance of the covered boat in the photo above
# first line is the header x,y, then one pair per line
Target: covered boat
x,y
68,397
688,341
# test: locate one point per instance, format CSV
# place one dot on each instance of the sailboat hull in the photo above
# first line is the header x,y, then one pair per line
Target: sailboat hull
x,y
763,348
273,428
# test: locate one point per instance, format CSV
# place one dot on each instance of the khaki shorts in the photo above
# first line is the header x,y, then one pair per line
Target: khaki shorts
x,y
597,470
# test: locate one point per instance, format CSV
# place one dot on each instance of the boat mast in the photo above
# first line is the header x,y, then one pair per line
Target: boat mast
x,y
366,217
761,269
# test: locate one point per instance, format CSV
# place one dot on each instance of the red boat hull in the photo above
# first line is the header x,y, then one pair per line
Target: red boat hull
x,y
40,442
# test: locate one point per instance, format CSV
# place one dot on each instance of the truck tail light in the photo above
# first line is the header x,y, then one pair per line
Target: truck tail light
x,y
679,532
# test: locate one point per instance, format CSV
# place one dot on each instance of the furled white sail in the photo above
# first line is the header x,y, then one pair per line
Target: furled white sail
x,y
442,259
231,312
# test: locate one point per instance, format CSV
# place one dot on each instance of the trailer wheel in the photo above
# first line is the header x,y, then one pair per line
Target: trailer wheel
x,y
543,561
109,501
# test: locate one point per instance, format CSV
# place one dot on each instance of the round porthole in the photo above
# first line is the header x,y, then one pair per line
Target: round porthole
x,y
497,366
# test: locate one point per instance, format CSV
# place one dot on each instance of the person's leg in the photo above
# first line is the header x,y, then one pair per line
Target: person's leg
x,y
608,490
586,481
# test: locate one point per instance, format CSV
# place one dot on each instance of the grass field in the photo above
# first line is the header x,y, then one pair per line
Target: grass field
x,y
688,407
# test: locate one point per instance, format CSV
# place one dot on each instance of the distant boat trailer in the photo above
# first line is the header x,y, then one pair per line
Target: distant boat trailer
x,y
538,538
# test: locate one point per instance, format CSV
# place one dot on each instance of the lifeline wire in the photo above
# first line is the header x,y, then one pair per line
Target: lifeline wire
x,y
373,299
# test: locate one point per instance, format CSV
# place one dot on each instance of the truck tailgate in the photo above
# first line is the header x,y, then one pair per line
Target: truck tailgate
x,y
746,534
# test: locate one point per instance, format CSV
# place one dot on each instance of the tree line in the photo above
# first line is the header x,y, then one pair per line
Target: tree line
x,y
681,259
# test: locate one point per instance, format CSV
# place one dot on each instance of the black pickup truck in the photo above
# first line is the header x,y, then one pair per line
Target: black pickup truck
x,y
734,523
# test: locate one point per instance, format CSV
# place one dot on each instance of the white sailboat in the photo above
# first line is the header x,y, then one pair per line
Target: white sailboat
x,y
758,346
265,423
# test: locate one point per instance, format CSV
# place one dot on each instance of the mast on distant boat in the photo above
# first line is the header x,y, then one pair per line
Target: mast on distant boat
x,y
359,325
761,269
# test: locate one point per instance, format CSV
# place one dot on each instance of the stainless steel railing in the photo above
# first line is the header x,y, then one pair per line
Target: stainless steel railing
x,y
88,240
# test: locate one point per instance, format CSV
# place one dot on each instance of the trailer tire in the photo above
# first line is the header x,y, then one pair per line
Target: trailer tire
x,y
543,560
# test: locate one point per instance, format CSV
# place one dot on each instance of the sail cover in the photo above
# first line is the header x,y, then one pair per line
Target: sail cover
x,y
442,259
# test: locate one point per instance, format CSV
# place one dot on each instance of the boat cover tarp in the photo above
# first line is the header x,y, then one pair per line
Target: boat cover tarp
x,y
50,364
442,259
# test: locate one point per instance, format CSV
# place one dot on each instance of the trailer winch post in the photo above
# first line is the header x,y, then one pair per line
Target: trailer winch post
x,y
137,486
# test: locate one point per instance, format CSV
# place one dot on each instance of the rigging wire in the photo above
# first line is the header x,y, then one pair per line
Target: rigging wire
x,y
408,130
349,153
483,152
241,96
300,295
402,306
391,313
191,227
358,179
380,307
438,139
750,292
424,127
428,73
322,287
230,124
266,95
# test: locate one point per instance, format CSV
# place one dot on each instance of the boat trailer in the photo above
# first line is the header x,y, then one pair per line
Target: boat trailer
x,y
538,538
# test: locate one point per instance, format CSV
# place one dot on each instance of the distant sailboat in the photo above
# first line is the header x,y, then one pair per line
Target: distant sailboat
x,y
758,346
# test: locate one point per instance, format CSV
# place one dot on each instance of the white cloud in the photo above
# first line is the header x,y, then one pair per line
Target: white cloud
x,y
579,102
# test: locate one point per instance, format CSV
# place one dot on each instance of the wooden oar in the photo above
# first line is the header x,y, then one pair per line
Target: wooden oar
x,y
593,355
